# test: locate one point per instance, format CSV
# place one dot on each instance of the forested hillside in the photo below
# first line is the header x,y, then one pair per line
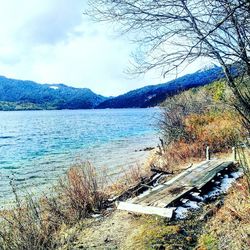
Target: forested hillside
x,y
30,95
150,96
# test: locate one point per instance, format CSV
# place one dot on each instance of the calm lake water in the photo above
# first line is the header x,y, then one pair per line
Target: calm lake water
x,y
36,147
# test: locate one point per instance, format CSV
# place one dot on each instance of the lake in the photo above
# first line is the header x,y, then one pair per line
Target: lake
x,y
37,147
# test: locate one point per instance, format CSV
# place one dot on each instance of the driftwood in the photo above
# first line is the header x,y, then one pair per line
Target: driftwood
x,y
145,149
154,169
143,185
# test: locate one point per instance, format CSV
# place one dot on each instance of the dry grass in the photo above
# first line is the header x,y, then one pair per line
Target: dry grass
x,y
230,227
35,223
39,223
219,131
80,192
28,227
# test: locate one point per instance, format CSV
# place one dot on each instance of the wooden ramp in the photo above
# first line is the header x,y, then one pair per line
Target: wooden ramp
x,y
156,199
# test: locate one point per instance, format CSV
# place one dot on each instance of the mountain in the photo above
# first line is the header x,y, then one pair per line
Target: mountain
x,y
45,96
150,96
27,95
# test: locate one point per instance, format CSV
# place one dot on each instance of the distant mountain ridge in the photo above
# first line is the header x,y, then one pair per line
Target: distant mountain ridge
x,y
48,96
25,95
150,96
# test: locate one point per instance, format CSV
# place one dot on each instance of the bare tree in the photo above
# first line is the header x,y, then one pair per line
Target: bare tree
x,y
174,33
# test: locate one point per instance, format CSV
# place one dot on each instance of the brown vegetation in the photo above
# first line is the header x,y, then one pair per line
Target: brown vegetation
x,y
81,192
195,119
230,227
34,223
191,121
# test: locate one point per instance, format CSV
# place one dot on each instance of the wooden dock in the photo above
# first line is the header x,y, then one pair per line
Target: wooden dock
x,y
156,200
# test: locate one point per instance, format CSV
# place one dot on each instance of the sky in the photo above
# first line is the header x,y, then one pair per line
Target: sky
x,y
51,41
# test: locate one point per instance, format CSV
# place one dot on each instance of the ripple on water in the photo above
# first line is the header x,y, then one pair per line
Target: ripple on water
x,y
7,137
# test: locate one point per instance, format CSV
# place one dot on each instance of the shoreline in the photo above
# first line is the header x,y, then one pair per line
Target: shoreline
x,y
112,173
102,227
43,146
83,109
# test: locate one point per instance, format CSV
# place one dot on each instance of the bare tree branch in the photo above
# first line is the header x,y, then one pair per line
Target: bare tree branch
x,y
172,33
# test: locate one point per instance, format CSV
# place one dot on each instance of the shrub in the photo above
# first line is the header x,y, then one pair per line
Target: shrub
x,y
194,101
34,223
229,227
198,118
176,108
81,192
218,130
28,227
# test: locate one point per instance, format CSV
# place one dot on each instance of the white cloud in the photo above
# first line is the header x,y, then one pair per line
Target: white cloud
x,y
51,41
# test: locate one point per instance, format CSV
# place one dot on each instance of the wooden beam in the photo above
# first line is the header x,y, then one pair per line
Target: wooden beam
x,y
136,208
208,154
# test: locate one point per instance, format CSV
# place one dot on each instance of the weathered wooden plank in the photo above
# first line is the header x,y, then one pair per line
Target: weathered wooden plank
x,y
138,187
156,199
200,173
178,181
211,174
166,194
164,200
166,184
136,208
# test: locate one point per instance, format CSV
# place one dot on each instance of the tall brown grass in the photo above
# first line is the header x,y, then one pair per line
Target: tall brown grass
x,y
34,223
81,191
220,131
229,228
198,118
